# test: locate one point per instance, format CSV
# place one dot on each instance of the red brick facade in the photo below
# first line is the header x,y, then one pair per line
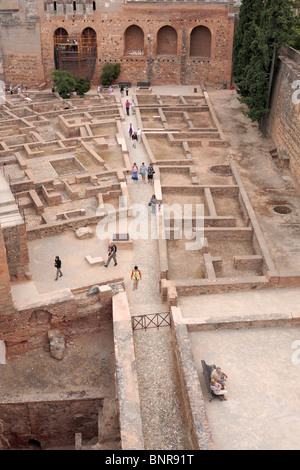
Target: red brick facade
x,y
161,43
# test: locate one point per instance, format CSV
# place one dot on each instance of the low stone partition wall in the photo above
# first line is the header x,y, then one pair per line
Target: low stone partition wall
x,y
193,400
171,290
219,285
131,430
50,229
215,322
193,190
51,196
258,239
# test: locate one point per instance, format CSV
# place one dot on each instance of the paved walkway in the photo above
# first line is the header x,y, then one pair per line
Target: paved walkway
x,y
161,403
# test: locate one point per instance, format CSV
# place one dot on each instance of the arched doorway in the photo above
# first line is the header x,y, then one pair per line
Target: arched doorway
x,y
200,42
88,53
61,41
89,41
134,41
167,41
76,54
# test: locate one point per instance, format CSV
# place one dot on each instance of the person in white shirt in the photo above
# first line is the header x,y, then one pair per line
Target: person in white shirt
x,y
132,105
217,389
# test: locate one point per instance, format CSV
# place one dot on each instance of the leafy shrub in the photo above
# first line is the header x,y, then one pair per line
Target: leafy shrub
x,y
109,73
82,86
64,83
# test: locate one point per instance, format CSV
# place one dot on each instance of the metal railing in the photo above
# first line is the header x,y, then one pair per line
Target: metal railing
x,y
152,320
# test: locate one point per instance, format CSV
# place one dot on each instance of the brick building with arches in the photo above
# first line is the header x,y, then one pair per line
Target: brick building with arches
x,y
157,42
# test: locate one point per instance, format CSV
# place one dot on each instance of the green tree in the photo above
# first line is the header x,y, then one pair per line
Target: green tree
x,y
264,30
245,34
295,39
109,73
295,36
82,86
64,83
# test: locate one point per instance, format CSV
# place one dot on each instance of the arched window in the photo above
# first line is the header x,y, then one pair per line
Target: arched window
x,y
200,42
89,38
76,54
89,42
134,41
60,36
167,41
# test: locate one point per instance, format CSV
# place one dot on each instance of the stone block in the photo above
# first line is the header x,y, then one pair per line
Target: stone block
x,y
57,345
93,261
84,232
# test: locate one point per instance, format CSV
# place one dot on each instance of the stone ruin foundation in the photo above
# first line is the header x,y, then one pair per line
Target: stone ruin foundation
x,y
63,162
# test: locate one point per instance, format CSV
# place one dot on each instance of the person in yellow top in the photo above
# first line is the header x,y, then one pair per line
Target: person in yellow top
x,y
136,276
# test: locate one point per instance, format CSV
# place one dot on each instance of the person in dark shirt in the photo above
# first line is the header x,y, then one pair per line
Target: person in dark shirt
x,y
112,253
57,265
150,172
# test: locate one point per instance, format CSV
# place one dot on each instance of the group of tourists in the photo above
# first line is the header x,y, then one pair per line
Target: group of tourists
x,y
144,171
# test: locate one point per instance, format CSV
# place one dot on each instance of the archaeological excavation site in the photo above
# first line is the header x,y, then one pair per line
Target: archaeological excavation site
x,y
88,359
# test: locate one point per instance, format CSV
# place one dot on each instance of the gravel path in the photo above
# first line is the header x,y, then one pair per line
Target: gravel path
x,y
161,403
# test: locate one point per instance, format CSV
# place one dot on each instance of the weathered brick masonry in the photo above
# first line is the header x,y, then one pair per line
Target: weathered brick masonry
x,y
165,43
6,302
20,42
284,119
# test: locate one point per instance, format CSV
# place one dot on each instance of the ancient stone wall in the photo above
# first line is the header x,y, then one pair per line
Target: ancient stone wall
x,y
284,119
162,43
15,238
6,302
65,311
20,43
45,422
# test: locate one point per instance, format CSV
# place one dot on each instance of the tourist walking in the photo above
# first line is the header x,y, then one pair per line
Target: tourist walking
x,y
121,90
139,134
134,139
135,173
143,171
110,90
57,265
153,202
132,106
150,172
126,89
136,276
130,130
127,106
112,254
